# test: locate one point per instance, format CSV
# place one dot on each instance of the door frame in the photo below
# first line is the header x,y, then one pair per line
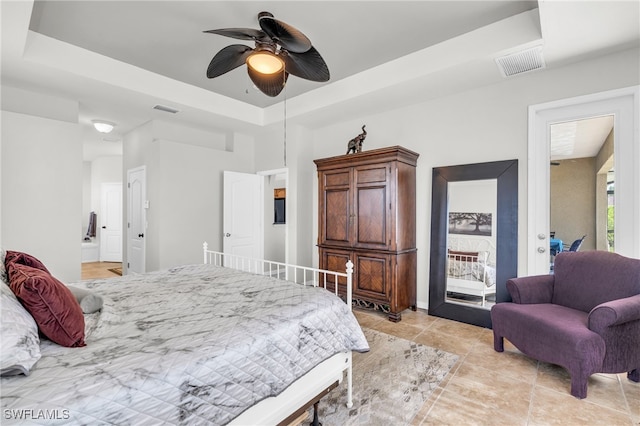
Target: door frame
x,y
624,105
287,207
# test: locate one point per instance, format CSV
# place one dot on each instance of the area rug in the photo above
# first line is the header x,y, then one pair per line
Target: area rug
x,y
117,271
391,382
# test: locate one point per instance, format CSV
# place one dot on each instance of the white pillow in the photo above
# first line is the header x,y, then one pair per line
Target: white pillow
x,y
20,348
89,302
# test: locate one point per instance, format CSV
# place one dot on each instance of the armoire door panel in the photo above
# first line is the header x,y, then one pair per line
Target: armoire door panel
x,y
371,276
338,178
334,260
371,174
337,216
372,216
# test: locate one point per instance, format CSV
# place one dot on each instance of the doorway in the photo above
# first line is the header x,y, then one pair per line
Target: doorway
x,y
276,183
249,223
624,106
581,167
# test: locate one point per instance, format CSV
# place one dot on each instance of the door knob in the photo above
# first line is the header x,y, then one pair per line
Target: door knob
x,y
227,234
140,235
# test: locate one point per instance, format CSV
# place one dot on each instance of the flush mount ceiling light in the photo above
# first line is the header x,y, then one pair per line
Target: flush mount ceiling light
x,y
103,126
280,50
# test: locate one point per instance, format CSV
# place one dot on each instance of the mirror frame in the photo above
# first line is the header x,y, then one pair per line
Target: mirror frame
x,y
506,173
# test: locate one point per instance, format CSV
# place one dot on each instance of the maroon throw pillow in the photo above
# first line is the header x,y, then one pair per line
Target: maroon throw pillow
x,y
50,303
24,259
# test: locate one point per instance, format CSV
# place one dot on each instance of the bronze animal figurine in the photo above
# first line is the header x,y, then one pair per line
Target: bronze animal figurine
x,y
355,144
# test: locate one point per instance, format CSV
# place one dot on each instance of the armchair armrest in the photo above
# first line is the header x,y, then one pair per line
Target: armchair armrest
x,y
533,289
615,312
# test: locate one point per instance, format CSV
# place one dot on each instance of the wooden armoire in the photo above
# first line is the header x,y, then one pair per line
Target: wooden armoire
x,y
367,214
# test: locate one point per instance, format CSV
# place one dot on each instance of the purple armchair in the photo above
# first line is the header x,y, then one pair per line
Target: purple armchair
x,y
585,317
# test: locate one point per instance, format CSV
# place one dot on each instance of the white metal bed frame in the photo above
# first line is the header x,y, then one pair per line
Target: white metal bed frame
x,y
321,379
486,251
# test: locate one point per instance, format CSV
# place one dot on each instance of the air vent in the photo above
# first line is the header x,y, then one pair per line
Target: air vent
x,y
166,109
520,62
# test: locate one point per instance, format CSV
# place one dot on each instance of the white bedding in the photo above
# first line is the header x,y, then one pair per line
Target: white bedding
x,y
471,269
195,344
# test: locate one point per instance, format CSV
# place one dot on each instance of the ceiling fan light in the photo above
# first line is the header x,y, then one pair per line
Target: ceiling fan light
x,y
103,126
265,62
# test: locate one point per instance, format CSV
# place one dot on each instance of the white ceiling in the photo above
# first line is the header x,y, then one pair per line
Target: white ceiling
x,y
119,58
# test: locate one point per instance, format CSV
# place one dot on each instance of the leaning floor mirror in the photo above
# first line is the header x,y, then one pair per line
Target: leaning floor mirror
x,y
474,239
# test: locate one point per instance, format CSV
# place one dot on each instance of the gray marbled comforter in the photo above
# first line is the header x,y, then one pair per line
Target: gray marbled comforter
x,y
195,344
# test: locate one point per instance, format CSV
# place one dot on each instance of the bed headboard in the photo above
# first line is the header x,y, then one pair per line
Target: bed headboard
x,y
473,244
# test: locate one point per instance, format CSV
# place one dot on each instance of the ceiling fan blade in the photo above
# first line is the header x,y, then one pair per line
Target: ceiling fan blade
x,y
308,65
240,33
270,85
288,37
229,58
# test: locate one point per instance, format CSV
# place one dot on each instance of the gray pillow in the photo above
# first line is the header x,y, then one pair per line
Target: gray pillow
x,y
89,302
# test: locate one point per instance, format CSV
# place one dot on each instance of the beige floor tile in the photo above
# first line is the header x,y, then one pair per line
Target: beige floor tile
x,y
631,392
367,319
497,392
603,389
458,329
550,407
456,410
399,329
419,318
553,377
511,362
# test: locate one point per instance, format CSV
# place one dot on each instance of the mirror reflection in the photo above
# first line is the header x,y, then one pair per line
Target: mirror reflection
x,y
471,242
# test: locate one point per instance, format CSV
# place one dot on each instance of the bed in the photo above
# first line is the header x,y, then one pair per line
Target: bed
x,y
223,342
470,268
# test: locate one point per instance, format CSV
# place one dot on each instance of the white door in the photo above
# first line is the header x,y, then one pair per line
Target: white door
x,y
136,219
623,104
111,222
243,215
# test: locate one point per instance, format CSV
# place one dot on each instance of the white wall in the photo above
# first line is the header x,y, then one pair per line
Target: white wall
x,y
484,124
269,155
42,191
86,197
184,187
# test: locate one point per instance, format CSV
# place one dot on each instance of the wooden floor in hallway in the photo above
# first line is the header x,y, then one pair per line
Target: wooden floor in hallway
x,y
95,270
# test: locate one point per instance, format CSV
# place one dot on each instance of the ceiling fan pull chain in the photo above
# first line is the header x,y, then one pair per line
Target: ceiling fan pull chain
x,y
285,121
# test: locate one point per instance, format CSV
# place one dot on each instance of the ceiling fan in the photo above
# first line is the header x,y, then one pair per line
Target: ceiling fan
x,y
280,50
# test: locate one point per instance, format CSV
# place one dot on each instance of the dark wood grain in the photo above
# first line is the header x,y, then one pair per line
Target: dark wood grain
x,y
367,214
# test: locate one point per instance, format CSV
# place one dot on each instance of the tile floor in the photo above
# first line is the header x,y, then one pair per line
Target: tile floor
x,y
490,388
